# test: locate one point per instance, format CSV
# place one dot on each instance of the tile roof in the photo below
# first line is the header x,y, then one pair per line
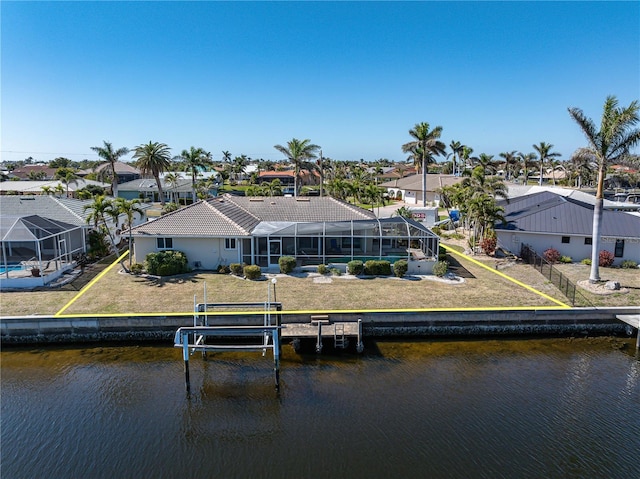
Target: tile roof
x,y
238,216
551,213
67,210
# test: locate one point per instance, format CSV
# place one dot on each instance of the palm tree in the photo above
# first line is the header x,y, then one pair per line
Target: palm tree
x,y
479,183
195,159
46,190
122,206
67,176
456,150
106,152
426,144
171,179
616,137
545,154
152,159
510,159
527,162
101,208
299,152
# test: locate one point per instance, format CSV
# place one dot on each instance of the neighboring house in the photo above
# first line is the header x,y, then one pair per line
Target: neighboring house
x,y
65,210
286,177
629,204
124,171
409,188
28,172
35,187
315,230
546,220
147,189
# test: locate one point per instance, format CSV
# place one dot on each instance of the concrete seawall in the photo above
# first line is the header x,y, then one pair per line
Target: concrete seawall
x,y
388,324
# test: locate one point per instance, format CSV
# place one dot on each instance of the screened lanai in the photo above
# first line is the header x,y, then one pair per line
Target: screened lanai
x,y
33,243
340,242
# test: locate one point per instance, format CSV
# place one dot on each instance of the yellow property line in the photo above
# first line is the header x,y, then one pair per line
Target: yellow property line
x,y
526,286
91,283
560,304
262,312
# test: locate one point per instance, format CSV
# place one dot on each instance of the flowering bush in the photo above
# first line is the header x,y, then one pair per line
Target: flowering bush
x,y
605,258
488,245
552,255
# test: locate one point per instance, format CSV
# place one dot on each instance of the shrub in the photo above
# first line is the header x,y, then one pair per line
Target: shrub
x,y
166,263
322,269
605,258
629,264
488,245
355,267
442,254
400,268
436,230
377,268
237,269
552,255
566,259
287,264
137,268
471,242
586,261
441,268
252,271
335,271
223,269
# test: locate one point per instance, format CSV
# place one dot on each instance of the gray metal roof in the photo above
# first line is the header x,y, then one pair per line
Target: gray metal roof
x,y
550,213
238,216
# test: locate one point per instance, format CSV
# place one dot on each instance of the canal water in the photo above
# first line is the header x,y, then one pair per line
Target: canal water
x,y
513,409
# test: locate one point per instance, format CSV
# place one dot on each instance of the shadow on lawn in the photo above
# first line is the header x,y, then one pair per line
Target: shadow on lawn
x,y
160,281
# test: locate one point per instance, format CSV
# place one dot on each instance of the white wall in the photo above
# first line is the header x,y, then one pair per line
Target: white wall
x,y
210,252
576,248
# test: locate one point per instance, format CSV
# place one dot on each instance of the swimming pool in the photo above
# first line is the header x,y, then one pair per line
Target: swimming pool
x,y
14,267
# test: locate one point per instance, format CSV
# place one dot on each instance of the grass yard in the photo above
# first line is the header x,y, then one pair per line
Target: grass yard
x,y
117,292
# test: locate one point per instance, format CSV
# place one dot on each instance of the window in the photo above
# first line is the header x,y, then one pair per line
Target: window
x,y
164,243
229,243
619,251
566,239
588,241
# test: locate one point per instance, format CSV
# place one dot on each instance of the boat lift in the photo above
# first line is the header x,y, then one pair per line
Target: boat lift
x,y
267,336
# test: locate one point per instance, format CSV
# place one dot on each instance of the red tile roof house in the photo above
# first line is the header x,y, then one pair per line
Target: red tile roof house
x,y
259,230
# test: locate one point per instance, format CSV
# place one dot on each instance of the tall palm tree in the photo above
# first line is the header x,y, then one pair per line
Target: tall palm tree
x,y
67,176
122,206
153,158
195,159
456,150
427,145
107,153
299,152
612,142
545,154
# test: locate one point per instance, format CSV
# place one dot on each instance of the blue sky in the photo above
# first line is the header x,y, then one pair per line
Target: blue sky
x,y
351,77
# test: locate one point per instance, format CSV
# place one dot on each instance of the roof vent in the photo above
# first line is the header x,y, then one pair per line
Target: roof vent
x,y
307,200
256,200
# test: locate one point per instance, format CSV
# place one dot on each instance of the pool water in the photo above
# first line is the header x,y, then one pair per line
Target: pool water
x,y
4,269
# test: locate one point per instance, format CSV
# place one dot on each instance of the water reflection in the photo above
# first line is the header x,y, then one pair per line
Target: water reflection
x,y
548,408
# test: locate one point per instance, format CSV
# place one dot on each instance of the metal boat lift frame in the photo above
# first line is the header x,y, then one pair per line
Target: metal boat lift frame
x,y
270,336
